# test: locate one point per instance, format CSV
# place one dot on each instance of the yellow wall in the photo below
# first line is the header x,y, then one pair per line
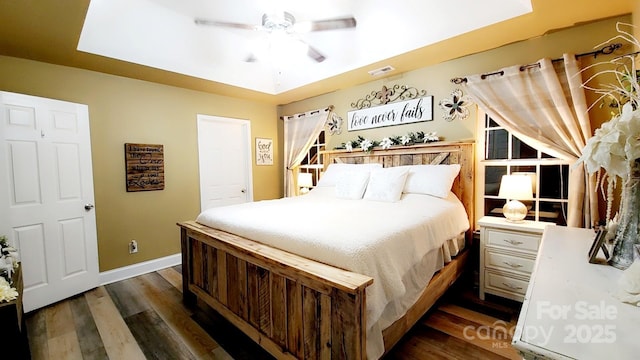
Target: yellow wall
x,y
123,110
436,81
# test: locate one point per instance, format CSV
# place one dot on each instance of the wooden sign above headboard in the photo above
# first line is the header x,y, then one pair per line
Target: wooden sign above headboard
x,y
145,167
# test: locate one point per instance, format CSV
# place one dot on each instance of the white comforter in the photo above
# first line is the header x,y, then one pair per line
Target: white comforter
x,y
379,239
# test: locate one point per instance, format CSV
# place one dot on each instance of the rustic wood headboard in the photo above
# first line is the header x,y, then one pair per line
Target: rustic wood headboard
x,y
433,153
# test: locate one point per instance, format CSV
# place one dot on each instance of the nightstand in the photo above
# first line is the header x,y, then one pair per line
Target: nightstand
x,y
507,255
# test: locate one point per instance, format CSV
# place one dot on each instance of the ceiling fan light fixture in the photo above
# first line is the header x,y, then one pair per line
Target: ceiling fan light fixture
x,y
283,34
275,22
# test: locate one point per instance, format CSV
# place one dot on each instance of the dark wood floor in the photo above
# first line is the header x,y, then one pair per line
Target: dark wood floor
x,y
144,318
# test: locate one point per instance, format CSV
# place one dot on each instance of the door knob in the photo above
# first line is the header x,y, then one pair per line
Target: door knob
x,y
88,206
243,191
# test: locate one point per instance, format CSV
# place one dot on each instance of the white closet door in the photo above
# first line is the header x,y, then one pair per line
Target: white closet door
x,y
224,151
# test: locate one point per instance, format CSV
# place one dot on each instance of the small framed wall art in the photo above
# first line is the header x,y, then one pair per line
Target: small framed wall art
x,y
264,151
144,167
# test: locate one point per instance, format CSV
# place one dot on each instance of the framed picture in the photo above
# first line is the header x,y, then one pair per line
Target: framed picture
x,y
598,243
264,151
144,167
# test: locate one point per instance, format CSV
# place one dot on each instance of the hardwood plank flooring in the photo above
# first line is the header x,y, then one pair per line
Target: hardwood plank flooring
x,y
144,318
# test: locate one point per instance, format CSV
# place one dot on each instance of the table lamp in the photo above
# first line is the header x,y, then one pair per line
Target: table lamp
x,y
514,188
305,181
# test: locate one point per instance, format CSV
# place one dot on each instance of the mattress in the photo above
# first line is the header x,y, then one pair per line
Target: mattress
x,y
399,244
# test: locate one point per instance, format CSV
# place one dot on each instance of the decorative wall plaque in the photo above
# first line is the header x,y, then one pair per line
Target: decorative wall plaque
x,y
388,95
144,166
398,113
264,151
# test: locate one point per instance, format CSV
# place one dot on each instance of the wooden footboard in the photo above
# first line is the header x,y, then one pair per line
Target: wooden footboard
x,y
293,307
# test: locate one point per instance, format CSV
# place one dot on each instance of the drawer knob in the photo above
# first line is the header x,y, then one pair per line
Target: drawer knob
x,y
513,265
511,286
513,242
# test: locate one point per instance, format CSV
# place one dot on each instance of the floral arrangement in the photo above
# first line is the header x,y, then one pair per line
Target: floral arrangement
x,y
8,263
7,292
8,259
406,140
615,146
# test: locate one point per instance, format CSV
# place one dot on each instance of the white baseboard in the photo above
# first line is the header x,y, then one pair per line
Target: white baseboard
x,y
126,272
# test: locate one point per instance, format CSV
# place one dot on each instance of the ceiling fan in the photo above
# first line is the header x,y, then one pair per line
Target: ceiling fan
x,y
285,23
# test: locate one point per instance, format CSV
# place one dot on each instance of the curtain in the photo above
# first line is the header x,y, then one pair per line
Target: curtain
x,y
300,132
544,105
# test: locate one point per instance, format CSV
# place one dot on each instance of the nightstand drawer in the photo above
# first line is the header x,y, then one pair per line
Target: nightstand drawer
x,y
505,283
508,262
513,240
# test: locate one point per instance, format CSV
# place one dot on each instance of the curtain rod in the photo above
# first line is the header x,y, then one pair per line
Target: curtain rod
x,y
312,112
609,49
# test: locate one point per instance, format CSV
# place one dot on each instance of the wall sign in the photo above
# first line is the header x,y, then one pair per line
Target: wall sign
x,y
145,167
404,112
264,151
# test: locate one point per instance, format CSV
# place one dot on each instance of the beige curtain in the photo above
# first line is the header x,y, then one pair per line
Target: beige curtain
x,y
544,105
300,132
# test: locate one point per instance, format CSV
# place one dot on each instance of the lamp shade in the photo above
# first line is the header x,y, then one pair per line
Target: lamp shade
x,y
305,180
516,187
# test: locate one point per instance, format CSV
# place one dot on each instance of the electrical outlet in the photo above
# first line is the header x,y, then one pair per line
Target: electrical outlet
x,y
133,247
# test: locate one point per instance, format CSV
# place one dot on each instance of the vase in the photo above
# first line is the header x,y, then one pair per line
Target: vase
x,y
627,237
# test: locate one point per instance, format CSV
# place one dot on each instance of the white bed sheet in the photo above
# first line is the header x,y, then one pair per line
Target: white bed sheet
x,y
386,241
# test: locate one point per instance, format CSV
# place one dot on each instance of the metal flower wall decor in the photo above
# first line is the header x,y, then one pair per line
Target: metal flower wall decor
x,y
334,123
456,106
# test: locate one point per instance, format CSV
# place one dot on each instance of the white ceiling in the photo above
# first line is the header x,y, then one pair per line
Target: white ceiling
x,y
162,34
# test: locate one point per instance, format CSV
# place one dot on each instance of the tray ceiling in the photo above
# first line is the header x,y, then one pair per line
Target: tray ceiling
x,y
162,34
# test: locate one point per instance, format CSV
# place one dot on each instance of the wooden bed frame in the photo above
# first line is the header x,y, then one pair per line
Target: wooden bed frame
x,y
298,308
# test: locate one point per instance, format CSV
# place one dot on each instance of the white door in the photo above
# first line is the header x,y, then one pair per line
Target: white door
x,y
224,152
46,196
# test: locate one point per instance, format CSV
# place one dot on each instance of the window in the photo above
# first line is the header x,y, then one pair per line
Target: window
x,y
501,153
313,162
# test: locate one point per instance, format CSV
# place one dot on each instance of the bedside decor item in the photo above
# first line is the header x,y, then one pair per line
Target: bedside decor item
x,y
305,181
515,188
599,244
456,106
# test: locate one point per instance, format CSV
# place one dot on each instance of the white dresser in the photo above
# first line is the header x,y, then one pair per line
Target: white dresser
x,y
507,255
569,311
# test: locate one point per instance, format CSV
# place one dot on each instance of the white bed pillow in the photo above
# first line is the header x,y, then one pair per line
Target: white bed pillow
x,y
352,185
336,171
386,184
435,180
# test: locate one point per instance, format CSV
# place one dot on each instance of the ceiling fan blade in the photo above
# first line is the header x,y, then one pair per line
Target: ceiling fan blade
x,y
323,25
251,58
207,22
315,54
